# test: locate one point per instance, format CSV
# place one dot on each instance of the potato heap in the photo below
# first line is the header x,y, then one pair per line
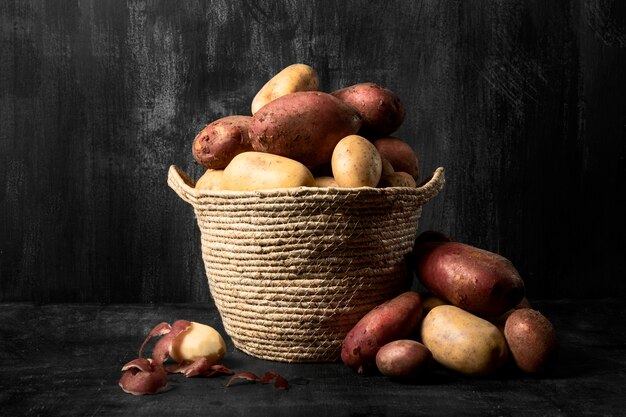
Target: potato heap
x,y
474,319
298,136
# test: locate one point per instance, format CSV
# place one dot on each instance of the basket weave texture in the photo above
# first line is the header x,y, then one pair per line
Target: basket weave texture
x,y
292,270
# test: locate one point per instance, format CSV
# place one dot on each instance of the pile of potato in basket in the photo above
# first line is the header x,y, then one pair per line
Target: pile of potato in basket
x,y
299,136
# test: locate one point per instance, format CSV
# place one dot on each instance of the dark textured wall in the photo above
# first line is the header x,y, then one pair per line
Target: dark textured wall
x,y
523,103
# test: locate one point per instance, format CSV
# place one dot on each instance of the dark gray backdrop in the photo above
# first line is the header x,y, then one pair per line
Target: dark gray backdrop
x,y
523,103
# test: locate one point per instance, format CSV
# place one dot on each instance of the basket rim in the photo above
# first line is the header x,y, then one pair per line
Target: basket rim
x,y
184,186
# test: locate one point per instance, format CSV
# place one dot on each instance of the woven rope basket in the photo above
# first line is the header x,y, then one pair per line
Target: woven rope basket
x,y
292,270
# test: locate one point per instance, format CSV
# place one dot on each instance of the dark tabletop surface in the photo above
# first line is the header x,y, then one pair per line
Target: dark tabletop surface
x,y
65,359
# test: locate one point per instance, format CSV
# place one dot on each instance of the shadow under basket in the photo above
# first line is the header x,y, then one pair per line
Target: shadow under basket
x,y
293,270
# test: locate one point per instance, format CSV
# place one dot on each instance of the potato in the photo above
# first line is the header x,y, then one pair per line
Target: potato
x,y
324,170
463,342
325,181
199,341
356,163
393,320
432,301
304,126
403,359
382,110
500,321
250,171
387,168
474,279
397,179
400,154
220,141
210,180
296,77
532,340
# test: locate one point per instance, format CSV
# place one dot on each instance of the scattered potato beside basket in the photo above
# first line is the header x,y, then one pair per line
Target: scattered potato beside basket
x,y
532,340
461,340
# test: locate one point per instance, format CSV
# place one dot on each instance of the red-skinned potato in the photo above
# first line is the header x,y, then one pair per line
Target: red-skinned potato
x,y
400,155
393,320
476,280
531,338
381,109
403,359
220,141
304,126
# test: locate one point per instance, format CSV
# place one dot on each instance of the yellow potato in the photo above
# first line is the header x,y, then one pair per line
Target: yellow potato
x,y
210,180
431,301
356,162
463,342
397,179
199,341
325,181
387,167
296,77
251,171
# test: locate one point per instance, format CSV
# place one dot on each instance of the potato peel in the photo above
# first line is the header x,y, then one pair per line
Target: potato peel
x,y
142,376
249,376
162,349
200,367
149,375
279,381
158,330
